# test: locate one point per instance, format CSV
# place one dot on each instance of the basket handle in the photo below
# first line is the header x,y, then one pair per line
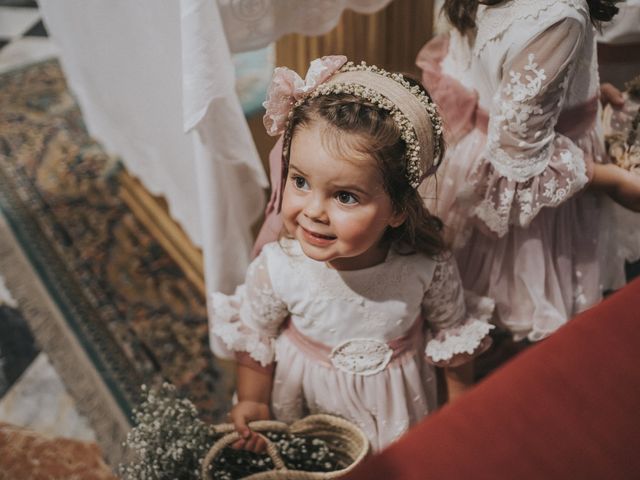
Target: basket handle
x,y
230,438
255,425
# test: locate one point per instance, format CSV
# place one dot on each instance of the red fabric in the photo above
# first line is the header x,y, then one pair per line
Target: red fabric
x,y
566,408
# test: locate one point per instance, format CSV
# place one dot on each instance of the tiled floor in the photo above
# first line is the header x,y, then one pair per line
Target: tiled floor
x,y
31,393
40,402
23,36
16,21
17,346
19,3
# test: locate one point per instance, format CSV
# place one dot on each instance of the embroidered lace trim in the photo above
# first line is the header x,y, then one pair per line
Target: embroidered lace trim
x,y
508,202
530,165
236,335
463,339
458,320
361,356
517,105
443,305
261,305
497,19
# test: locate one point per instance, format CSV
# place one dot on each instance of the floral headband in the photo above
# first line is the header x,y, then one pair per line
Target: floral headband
x,y
407,104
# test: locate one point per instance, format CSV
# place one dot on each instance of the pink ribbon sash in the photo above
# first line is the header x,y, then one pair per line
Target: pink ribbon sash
x,y
411,341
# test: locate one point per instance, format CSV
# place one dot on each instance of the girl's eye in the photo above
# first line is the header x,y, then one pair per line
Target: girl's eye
x,y
300,182
347,198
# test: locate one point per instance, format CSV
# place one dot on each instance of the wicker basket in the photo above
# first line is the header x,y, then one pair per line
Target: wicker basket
x,y
352,442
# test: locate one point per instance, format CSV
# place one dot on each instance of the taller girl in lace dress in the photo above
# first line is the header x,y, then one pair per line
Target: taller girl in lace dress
x,y
516,82
359,301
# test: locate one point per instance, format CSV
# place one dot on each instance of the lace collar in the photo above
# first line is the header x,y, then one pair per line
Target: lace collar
x,y
497,19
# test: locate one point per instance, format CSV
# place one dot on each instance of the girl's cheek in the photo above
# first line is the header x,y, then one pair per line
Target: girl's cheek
x,y
349,222
291,203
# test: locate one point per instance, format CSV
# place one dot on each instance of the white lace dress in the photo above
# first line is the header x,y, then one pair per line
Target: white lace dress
x,y
350,343
519,97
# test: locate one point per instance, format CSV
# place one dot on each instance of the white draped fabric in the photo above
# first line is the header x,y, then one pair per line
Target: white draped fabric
x,y
251,24
156,85
625,26
620,45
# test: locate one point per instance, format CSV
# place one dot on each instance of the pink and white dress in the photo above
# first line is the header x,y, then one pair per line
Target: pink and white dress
x,y
519,97
350,343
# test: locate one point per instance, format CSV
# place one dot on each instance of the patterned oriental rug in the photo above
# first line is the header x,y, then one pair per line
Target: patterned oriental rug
x,y
105,301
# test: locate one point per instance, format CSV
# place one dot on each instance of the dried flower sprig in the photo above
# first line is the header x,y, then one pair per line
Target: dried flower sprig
x,y
168,441
633,87
632,136
622,129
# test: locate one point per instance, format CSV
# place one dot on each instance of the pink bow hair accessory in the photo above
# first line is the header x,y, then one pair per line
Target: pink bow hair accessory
x,y
287,87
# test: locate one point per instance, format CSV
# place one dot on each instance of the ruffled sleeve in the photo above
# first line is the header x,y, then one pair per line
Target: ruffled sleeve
x,y
529,164
250,319
458,323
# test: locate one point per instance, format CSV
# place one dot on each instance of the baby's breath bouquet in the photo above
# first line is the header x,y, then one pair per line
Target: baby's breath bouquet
x,y
622,129
168,441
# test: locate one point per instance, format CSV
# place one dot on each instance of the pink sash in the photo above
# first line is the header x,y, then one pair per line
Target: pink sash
x,y
411,341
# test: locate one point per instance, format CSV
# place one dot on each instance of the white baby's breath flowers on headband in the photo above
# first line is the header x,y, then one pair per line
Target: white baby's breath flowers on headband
x,y
412,110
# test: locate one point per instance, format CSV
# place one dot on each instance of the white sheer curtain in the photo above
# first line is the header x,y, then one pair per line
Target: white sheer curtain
x,y
251,24
156,84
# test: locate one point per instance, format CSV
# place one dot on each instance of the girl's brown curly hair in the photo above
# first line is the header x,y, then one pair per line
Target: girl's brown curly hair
x,y
358,126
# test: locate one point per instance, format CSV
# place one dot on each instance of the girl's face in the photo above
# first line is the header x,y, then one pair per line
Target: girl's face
x,y
335,207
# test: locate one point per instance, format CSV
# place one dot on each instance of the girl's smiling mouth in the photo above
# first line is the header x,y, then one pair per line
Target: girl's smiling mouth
x,y
317,238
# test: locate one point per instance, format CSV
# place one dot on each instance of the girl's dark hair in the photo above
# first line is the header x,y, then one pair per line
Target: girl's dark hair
x,y
372,131
462,13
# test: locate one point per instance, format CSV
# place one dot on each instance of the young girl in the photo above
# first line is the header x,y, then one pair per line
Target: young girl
x,y
517,83
359,300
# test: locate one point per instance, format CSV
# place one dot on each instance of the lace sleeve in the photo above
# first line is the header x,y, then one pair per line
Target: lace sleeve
x,y
457,322
249,320
530,165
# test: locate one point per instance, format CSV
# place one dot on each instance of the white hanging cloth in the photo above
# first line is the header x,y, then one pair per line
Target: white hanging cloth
x,y
155,83
252,24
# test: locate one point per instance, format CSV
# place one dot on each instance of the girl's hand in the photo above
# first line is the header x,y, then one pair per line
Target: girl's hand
x,y
628,192
621,185
246,411
609,94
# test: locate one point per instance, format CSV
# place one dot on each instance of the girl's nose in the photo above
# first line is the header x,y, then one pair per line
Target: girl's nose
x,y
315,209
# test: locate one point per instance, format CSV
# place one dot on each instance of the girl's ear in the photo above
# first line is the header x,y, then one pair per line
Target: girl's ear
x,y
397,219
